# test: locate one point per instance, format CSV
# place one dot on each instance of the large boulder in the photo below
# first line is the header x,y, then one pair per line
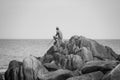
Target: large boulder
x,y
91,76
56,75
14,71
114,74
99,51
99,65
32,67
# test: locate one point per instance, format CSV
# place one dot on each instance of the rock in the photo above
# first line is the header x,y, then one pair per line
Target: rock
x,y
2,76
113,74
51,66
77,62
109,50
103,66
99,51
49,55
60,59
14,71
76,72
71,62
85,54
91,76
47,58
74,62
56,75
32,67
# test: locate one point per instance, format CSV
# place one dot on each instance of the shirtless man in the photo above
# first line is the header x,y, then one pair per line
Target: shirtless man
x,y
59,34
58,37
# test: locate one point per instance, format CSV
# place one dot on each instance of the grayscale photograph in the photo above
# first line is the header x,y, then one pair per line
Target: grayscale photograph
x,y
59,39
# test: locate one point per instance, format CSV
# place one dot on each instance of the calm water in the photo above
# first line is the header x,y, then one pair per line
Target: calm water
x,y
19,49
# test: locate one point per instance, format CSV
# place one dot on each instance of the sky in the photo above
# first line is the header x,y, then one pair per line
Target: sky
x,y
37,19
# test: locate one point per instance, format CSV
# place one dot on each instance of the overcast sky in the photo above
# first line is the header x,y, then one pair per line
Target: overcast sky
x,y
36,19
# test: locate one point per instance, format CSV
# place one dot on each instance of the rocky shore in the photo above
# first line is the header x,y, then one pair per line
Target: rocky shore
x,y
79,58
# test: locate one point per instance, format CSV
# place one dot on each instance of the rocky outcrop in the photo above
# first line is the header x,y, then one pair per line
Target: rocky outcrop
x,y
79,58
88,49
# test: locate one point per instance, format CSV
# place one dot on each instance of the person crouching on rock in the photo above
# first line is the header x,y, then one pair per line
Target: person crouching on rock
x,y
58,37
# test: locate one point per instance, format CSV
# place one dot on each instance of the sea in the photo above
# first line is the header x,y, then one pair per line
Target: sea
x,y
18,49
